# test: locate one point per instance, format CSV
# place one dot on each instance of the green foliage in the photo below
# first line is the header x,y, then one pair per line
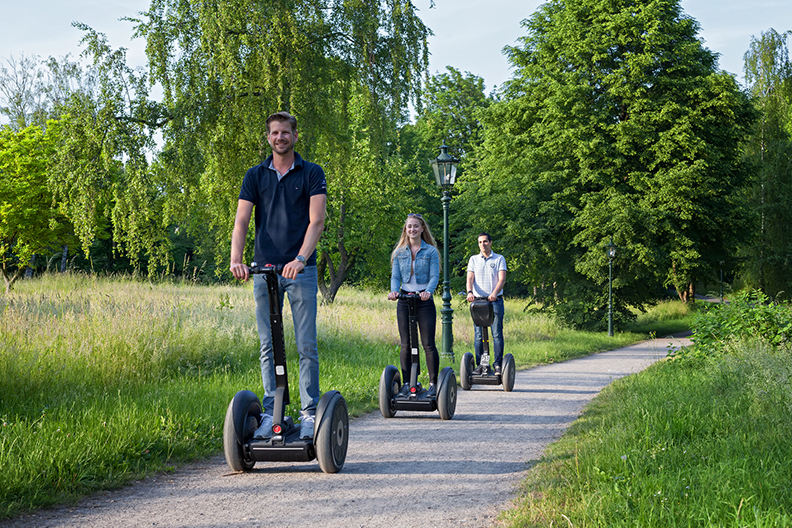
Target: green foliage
x,y
453,103
30,221
768,265
345,69
748,316
617,123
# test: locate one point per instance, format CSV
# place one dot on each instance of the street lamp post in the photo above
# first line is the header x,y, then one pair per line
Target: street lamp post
x,y
445,169
611,251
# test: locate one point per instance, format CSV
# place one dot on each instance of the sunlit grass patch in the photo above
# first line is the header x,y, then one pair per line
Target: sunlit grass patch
x,y
695,444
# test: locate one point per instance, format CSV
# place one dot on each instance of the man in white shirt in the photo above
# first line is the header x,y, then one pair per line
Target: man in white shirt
x,y
486,275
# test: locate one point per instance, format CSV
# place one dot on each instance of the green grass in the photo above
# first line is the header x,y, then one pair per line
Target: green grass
x,y
683,443
105,380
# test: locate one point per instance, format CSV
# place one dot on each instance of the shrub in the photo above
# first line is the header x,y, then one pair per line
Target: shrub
x,y
748,316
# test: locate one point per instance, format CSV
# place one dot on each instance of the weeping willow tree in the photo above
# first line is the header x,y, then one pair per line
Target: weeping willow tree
x,y
346,69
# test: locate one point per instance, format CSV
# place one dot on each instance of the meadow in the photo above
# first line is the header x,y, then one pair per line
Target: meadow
x,y
104,380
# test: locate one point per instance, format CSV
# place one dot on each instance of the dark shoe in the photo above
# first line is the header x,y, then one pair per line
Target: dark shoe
x,y
478,370
405,390
497,369
432,392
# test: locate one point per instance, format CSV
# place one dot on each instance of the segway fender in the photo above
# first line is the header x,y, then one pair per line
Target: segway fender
x,y
324,402
242,402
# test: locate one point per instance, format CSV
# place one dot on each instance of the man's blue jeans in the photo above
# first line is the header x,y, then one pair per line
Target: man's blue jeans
x,y
497,335
302,300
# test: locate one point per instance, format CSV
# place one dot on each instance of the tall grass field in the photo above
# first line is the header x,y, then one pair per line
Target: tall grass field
x,y
106,380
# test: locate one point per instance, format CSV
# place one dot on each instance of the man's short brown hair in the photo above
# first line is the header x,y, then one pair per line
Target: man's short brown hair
x,y
281,117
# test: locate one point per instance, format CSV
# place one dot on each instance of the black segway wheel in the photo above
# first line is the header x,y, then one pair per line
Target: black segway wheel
x,y
446,393
241,421
390,382
466,371
508,372
332,435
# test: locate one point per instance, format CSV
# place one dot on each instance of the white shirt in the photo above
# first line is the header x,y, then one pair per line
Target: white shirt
x,y
485,272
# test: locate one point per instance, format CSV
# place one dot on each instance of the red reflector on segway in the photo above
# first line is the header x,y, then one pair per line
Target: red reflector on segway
x,y
413,389
277,429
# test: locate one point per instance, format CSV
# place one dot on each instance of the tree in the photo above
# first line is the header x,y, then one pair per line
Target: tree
x,y
106,136
452,104
345,69
30,221
616,123
768,73
22,92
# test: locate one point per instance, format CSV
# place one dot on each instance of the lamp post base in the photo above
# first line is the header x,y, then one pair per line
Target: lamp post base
x,y
447,316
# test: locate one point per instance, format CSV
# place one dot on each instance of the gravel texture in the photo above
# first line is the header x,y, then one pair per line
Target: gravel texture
x,y
412,470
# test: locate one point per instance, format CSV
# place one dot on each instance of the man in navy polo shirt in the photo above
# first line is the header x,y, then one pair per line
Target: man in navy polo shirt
x,y
486,276
289,195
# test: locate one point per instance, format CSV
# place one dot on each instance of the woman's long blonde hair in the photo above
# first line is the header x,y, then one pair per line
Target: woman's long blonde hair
x,y
426,235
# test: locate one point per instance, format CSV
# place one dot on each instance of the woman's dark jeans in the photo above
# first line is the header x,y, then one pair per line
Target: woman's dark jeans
x,y
427,322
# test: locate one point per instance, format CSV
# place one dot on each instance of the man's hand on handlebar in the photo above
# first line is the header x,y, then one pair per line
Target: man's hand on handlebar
x,y
291,269
240,271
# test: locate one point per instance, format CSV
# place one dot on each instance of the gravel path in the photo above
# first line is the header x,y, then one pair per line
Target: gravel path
x,y
412,470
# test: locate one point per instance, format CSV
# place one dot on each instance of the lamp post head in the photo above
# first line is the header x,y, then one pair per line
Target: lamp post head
x,y
610,249
445,168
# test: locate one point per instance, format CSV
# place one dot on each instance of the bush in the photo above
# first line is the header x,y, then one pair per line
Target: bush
x,y
748,316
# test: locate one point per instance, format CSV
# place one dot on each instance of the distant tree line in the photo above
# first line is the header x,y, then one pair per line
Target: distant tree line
x,y
617,124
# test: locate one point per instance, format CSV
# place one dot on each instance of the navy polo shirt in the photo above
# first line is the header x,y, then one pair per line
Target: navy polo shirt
x,y
282,208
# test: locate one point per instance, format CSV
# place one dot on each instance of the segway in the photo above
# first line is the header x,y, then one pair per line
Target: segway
x,y
483,316
331,425
418,399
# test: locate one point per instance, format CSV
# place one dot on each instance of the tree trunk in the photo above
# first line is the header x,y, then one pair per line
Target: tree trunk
x,y
687,294
29,270
686,288
11,277
64,258
324,263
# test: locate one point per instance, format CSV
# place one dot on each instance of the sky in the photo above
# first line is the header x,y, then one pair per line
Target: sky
x,y
468,34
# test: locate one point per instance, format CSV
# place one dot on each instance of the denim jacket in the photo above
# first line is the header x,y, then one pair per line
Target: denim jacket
x,y
427,267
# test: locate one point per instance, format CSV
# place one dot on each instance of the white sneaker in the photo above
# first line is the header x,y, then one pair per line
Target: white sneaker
x,y
306,426
264,432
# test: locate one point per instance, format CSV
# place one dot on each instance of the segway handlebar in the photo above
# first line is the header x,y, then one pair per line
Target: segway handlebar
x,y
264,268
409,295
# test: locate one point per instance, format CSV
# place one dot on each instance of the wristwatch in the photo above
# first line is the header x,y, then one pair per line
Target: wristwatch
x,y
470,291
300,258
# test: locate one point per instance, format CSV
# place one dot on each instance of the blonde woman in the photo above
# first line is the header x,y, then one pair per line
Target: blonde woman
x,y
415,268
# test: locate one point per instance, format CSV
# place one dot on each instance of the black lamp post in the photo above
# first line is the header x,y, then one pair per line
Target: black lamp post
x,y
610,249
445,168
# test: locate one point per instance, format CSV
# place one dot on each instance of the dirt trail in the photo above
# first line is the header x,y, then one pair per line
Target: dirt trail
x,y
409,471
